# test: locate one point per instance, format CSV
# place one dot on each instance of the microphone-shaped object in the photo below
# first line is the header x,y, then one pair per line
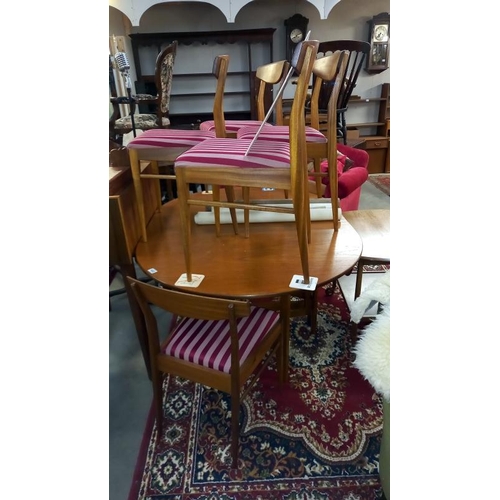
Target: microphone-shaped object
x,y
124,66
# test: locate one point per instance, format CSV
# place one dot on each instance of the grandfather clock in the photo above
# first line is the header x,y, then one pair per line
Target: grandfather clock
x,y
378,37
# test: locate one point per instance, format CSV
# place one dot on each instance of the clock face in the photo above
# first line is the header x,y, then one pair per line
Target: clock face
x,y
296,35
381,33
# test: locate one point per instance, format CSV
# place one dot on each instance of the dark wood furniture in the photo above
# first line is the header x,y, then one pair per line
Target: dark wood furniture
x,y
124,233
252,43
358,52
377,145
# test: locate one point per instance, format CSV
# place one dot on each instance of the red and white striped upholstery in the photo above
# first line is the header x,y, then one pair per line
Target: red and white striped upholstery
x,y
231,153
279,133
208,343
232,125
170,138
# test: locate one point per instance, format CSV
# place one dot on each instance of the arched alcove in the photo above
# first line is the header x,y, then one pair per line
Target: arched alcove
x,y
134,9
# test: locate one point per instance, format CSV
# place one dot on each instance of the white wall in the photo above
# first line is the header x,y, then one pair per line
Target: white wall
x,y
347,20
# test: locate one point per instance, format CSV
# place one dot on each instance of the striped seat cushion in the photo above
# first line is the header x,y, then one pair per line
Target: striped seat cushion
x,y
232,125
279,133
170,138
208,343
231,153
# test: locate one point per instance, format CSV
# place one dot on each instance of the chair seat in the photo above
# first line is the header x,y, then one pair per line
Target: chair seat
x,y
232,125
170,138
208,343
225,152
279,133
142,121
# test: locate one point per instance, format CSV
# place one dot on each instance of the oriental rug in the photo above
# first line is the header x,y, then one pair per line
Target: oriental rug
x,y
318,438
382,182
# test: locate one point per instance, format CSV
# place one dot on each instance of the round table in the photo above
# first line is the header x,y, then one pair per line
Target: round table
x,y
237,267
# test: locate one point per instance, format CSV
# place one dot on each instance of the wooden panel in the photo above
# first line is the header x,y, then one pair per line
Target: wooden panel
x,y
124,232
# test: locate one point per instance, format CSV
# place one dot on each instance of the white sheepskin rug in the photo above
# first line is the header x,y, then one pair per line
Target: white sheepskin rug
x,y
372,349
372,352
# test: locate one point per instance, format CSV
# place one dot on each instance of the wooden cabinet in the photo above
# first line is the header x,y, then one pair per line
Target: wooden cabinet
x,y
377,145
193,85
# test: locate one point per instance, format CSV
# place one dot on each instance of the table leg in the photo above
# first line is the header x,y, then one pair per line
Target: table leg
x,y
359,279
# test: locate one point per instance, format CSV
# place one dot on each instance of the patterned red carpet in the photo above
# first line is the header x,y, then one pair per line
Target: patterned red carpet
x,y
317,439
382,182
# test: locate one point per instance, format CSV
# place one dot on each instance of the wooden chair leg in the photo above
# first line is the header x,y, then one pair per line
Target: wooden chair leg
x,y
155,169
246,199
303,230
235,425
285,337
231,197
158,399
185,216
216,197
317,177
135,168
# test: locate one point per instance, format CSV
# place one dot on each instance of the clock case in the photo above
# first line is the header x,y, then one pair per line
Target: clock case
x,y
297,21
378,59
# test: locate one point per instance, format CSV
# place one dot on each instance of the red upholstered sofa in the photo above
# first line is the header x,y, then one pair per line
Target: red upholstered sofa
x,y
351,176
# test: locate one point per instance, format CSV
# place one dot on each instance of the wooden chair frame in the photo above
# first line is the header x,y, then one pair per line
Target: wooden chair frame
x,y
163,81
293,179
190,305
168,155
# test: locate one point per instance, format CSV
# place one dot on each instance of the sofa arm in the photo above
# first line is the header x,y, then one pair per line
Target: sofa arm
x,y
351,180
347,181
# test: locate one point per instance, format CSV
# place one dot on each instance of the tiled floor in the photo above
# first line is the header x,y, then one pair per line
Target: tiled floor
x,y
130,392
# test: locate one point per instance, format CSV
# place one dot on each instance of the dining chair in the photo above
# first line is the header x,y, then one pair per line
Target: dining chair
x,y
267,76
358,51
120,125
165,145
329,69
224,344
247,163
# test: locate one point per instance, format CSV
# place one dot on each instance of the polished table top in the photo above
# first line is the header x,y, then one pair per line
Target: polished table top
x,y
234,266
373,226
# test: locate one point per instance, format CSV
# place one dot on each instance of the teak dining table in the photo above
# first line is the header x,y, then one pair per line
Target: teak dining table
x,y
258,267
246,268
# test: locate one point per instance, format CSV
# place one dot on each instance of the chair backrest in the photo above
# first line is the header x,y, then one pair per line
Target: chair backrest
x,y
186,305
268,75
298,150
358,51
330,69
164,69
219,70
331,133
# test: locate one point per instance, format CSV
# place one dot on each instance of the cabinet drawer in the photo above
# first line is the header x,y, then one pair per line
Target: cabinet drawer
x,y
381,143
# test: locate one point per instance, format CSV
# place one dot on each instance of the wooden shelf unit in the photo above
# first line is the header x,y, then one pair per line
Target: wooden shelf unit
x,y
256,44
377,146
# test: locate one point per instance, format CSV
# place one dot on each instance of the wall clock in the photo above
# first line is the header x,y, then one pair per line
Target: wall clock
x,y
296,30
378,36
